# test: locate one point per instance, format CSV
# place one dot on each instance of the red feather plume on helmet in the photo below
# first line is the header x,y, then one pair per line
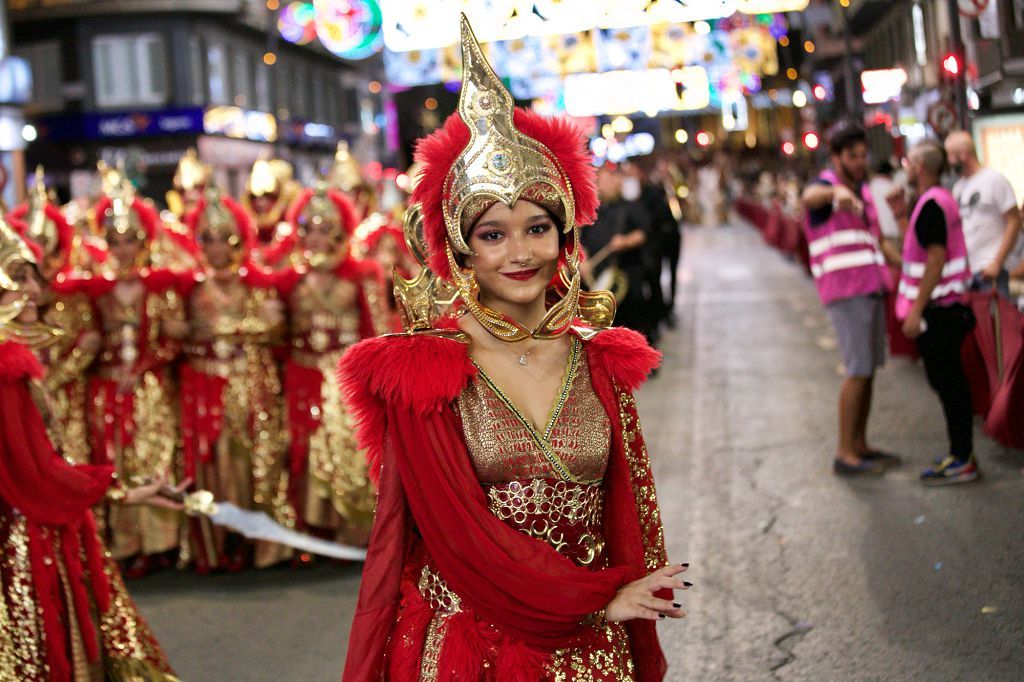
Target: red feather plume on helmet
x,y
148,216
439,151
246,231
349,221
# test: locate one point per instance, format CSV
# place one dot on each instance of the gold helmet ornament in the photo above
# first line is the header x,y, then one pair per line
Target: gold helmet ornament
x,y
190,175
42,228
273,179
14,254
320,205
487,152
219,215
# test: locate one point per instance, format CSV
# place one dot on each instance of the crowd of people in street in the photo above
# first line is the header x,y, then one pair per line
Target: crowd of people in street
x,y
941,244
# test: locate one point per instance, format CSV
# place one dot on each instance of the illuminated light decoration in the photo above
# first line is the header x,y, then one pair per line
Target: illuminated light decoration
x,y
792,74
426,24
788,148
318,130
920,41
351,29
683,191
402,181
771,6
682,136
29,132
702,28
811,140
599,147
734,111
951,65
374,87
626,92
273,5
240,123
809,46
296,23
882,85
269,58
704,138
784,41
607,131
621,124
430,103
799,99
844,3
820,93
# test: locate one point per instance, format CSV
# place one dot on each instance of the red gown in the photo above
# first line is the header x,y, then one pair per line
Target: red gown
x,y
329,485
458,584
65,614
136,432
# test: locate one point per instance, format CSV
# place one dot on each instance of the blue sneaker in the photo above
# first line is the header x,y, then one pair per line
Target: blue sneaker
x,y
950,471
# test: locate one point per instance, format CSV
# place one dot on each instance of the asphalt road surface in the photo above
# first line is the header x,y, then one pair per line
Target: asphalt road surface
x,y
799,575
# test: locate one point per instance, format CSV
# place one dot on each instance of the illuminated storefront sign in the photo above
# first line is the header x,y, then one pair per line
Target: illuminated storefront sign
x,y
425,24
650,91
999,140
241,124
882,85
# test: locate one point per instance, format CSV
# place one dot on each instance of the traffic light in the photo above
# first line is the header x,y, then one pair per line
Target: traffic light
x,y
952,65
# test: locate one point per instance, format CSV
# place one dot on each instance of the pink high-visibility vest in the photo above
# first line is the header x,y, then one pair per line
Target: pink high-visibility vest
x,y
846,258
956,273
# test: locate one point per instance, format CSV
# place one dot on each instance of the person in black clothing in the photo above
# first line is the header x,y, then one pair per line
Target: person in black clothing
x,y
665,246
617,240
940,330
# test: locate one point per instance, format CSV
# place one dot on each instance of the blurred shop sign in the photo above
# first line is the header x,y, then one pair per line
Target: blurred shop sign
x,y
882,85
625,92
421,25
184,121
242,124
999,140
15,81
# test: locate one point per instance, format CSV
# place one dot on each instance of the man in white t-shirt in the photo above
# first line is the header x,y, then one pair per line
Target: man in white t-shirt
x,y
989,211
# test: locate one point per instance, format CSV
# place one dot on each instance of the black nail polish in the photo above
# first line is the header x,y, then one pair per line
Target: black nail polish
x,y
685,565
661,615
676,606
686,584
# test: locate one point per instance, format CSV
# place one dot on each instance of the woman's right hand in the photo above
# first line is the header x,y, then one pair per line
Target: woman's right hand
x,y
636,600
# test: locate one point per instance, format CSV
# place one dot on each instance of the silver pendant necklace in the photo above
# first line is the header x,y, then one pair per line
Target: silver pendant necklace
x,y
522,357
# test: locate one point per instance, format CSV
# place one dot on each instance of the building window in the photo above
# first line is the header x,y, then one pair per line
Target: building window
x,y
129,70
241,68
197,89
217,74
47,75
262,86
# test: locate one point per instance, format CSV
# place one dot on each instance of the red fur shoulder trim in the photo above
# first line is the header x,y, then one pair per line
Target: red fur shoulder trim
x,y
624,355
17,362
420,373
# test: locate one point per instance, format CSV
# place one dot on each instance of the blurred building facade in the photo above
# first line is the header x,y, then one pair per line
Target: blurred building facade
x,y
144,80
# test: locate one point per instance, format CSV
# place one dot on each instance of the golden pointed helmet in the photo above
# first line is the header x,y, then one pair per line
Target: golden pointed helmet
x,y
13,250
116,211
41,228
191,173
489,151
218,214
345,173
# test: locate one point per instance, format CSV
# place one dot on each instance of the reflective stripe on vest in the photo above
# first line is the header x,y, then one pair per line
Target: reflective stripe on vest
x,y
950,269
847,260
957,286
841,238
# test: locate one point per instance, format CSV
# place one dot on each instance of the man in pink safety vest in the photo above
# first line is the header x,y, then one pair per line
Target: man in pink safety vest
x,y
931,302
848,257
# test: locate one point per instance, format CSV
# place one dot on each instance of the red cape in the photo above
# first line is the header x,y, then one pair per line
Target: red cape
x,y
400,390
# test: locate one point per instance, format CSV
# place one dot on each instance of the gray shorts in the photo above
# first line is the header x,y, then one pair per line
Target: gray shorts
x,y
860,328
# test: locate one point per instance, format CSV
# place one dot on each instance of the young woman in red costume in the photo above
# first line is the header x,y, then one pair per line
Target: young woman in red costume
x,y
231,410
132,425
64,612
40,222
517,534
333,301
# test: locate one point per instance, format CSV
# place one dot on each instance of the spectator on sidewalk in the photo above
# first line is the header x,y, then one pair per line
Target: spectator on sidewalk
x,y
848,263
988,208
880,185
931,302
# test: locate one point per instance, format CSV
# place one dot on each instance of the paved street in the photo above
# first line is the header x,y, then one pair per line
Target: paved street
x,y
799,575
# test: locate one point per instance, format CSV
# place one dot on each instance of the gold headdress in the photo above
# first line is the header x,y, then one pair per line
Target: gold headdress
x,y
272,178
345,172
14,250
190,174
118,215
41,228
217,219
509,155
